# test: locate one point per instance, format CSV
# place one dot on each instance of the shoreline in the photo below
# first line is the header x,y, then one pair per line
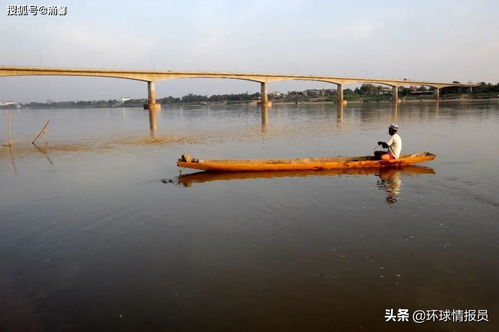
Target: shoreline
x,y
255,103
383,101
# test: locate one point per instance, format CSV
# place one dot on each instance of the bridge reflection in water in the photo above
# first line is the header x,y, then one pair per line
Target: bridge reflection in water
x,y
265,117
340,111
389,179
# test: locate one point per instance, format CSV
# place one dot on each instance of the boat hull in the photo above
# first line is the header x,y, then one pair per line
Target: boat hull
x,y
303,164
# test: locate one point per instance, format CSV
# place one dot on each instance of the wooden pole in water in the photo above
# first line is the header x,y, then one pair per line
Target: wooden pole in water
x,y
9,129
11,152
42,131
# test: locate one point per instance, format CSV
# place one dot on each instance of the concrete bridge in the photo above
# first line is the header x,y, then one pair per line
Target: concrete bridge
x,y
152,76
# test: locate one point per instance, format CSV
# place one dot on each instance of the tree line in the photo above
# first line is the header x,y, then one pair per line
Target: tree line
x,y
367,91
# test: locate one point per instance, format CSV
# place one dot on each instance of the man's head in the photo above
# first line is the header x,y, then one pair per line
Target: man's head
x,y
393,128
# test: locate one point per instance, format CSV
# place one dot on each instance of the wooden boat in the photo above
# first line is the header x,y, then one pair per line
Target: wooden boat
x,y
300,164
386,173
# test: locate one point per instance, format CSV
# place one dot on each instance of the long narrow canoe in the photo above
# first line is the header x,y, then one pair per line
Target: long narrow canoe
x,y
301,164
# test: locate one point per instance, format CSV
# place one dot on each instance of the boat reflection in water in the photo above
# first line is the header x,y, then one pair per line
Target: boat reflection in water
x,y
389,179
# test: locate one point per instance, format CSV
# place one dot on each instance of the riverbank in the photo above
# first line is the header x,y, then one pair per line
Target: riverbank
x,y
359,101
254,103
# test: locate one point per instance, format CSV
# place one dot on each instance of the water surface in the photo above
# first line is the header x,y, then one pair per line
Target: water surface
x,y
91,238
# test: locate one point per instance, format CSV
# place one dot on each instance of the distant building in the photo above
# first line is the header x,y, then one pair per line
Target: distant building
x,y
312,92
385,90
9,104
124,99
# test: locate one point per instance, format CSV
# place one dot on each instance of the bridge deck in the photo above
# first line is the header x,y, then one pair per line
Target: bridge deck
x,y
151,76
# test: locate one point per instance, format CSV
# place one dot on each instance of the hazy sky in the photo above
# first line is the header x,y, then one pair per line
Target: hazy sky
x,y
424,40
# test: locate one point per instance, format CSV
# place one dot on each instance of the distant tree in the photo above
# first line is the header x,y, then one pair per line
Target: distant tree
x,y
192,98
403,91
367,89
169,100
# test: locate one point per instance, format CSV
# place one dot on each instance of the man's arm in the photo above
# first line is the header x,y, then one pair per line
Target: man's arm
x,y
383,144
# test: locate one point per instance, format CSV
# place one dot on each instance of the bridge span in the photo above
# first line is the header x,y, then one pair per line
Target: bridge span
x,y
152,76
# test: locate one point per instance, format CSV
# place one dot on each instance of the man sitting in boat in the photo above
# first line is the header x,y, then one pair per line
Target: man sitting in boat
x,y
394,145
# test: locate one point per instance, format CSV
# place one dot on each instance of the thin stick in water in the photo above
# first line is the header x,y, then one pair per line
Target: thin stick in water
x,y
11,152
42,131
9,143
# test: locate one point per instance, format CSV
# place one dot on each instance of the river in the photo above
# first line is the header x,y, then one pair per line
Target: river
x,y
100,231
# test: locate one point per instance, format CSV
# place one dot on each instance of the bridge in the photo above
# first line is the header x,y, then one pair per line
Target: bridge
x,y
150,77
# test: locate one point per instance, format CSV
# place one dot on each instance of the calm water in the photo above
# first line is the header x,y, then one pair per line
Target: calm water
x,y
91,239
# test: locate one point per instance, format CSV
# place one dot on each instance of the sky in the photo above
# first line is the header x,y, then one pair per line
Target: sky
x,y
421,40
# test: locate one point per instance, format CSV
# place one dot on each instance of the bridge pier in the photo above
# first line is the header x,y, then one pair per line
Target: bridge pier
x,y
264,95
152,106
339,94
395,94
436,93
